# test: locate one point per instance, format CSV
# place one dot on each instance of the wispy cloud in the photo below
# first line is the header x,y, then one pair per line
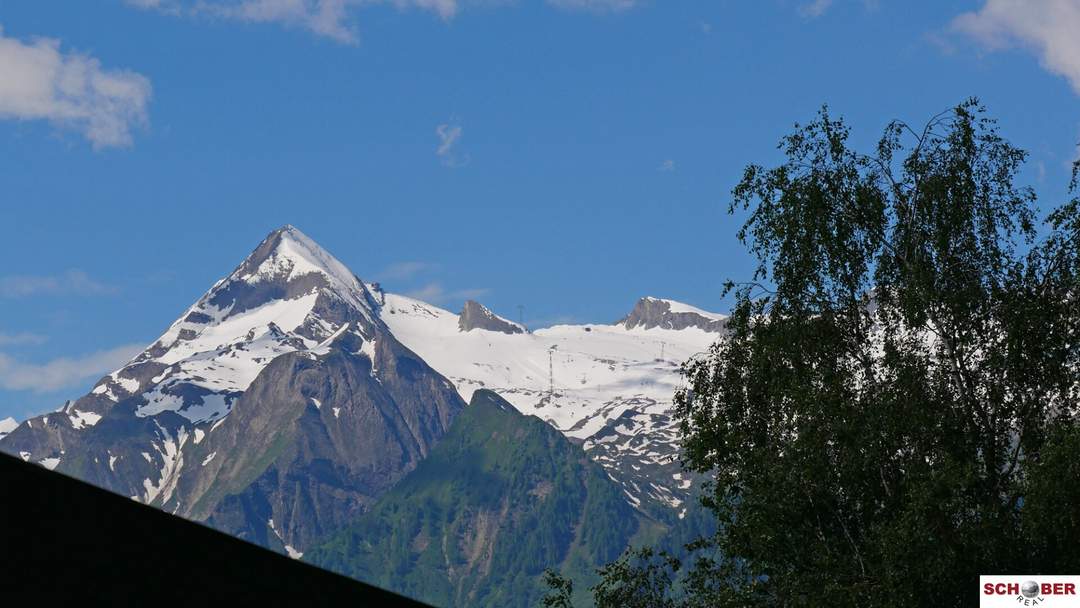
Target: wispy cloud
x,y
64,372
435,293
429,289
21,338
400,271
814,9
71,91
449,135
667,166
1048,28
600,6
330,18
164,6
324,17
73,282
543,322
336,19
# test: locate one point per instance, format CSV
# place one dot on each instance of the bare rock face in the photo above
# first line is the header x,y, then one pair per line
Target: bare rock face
x,y
475,315
315,439
667,314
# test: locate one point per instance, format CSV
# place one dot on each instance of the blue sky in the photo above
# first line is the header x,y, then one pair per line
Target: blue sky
x,y
567,155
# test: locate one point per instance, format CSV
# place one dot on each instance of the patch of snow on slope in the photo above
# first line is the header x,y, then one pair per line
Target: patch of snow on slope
x,y
81,420
171,463
286,314
129,385
158,401
213,407
678,307
367,348
293,553
324,346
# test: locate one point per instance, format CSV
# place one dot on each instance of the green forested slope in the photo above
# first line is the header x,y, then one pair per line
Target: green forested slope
x,y
501,497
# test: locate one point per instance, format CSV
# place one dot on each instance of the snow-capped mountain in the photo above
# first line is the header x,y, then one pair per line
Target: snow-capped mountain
x,y
607,386
289,295
292,394
275,408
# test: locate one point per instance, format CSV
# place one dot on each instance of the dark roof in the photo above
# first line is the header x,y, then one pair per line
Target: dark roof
x,y
60,537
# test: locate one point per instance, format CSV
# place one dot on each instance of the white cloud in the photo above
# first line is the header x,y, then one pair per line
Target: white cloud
x,y
335,19
444,8
74,282
404,270
329,18
324,17
21,338
596,5
543,322
436,294
64,372
816,8
165,6
70,90
667,166
449,135
1050,28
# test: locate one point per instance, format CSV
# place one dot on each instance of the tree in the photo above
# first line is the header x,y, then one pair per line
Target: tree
x,y
894,408
896,370
561,590
640,578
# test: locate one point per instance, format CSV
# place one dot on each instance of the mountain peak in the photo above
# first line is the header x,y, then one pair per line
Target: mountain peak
x,y
289,253
650,312
475,315
287,265
288,295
